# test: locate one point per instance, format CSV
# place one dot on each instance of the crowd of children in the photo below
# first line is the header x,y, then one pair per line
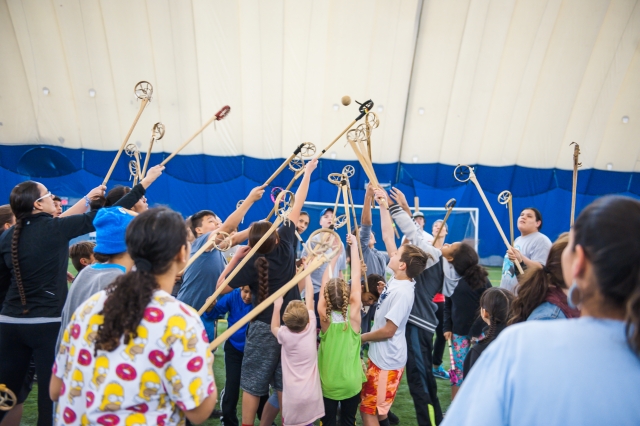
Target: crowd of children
x,y
116,348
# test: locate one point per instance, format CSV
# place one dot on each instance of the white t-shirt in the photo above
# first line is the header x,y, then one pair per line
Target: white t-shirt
x,y
395,304
534,246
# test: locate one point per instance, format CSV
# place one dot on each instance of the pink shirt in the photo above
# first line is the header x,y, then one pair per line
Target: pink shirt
x,y
302,402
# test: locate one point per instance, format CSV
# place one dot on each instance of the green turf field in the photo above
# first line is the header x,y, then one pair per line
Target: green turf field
x,y
402,406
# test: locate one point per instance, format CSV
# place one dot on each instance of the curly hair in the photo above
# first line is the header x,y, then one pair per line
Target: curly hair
x,y
22,199
336,294
153,238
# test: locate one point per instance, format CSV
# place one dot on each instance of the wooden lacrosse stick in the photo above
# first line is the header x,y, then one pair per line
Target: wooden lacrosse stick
x,y
295,177
157,132
282,216
306,149
364,108
134,165
505,198
449,206
143,91
416,205
8,399
574,189
348,171
464,175
212,243
371,122
319,256
217,117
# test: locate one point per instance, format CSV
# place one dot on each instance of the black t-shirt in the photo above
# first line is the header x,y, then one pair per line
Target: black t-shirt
x,y
282,269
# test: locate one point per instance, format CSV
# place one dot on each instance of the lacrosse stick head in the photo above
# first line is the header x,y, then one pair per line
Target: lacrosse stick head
x,y
284,203
323,242
223,244
339,221
504,197
450,204
356,135
296,164
143,90
131,149
348,170
365,106
372,120
336,178
133,168
239,203
224,111
463,173
307,149
7,398
274,193
157,132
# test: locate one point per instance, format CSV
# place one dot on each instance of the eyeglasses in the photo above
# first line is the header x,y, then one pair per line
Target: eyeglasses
x,y
48,194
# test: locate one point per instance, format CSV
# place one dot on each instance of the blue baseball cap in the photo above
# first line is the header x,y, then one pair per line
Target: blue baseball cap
x,y
111,225
324,211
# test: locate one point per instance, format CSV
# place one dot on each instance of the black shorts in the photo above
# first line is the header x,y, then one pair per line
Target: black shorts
x,y
261,362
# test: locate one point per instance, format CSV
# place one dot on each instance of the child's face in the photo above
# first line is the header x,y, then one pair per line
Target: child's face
x,y
245,293
394,262
368,299
209,223
326,220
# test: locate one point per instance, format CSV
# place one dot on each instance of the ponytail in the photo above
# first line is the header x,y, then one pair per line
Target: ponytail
x,y
465,262
262,266
497,302
16,265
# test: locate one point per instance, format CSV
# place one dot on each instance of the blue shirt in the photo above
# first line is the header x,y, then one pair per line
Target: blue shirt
x,y
235,306
551,373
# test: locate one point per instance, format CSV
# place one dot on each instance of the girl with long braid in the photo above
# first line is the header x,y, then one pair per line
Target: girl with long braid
x,y
269,269
34,256
494,310
132,354
339,353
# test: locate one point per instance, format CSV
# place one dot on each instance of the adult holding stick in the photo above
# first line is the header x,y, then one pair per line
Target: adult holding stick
x,y
530,249
143,91
266,272
224,111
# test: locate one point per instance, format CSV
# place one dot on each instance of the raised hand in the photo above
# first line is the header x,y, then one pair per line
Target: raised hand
x,y
256,193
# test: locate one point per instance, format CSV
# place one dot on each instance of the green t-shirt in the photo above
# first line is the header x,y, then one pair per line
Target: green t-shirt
x,y
339,362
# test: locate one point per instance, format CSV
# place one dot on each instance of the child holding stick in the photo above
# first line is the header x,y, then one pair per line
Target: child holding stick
x,y
339,353
302,393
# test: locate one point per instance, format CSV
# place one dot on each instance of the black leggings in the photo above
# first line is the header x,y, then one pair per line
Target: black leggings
x,y
439,345
20,342
348,410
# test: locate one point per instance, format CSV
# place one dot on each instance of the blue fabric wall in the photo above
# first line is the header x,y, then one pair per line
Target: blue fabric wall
x,y
195,182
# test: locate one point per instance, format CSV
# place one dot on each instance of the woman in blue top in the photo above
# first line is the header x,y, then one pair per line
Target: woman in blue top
x,y
518,379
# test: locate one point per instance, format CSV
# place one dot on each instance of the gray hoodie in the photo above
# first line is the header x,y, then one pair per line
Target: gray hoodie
x,y
430,281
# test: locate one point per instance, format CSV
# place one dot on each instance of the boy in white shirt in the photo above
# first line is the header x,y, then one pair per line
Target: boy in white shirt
x,y
388,349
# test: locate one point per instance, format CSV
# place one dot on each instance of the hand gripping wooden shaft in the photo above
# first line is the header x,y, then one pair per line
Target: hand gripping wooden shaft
x,y
144,103
493,216
233,273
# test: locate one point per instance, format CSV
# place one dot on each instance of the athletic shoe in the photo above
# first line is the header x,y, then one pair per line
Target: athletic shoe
x,y
439,373
393,419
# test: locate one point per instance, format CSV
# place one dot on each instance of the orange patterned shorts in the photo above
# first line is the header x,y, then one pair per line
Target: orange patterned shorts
x,y
380,389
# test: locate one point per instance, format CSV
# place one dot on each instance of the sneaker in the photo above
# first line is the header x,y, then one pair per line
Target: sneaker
x,y
215,414
393,419
439,373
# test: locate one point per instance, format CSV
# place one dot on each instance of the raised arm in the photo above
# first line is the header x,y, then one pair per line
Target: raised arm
x,y
322,303
275,318
399,197
303,189
355,298
84,204
235,218
385,222
365,219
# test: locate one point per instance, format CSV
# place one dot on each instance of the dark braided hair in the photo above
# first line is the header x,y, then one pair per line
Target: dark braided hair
x,y
22,198
154,238
497,302
257,231
465,262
